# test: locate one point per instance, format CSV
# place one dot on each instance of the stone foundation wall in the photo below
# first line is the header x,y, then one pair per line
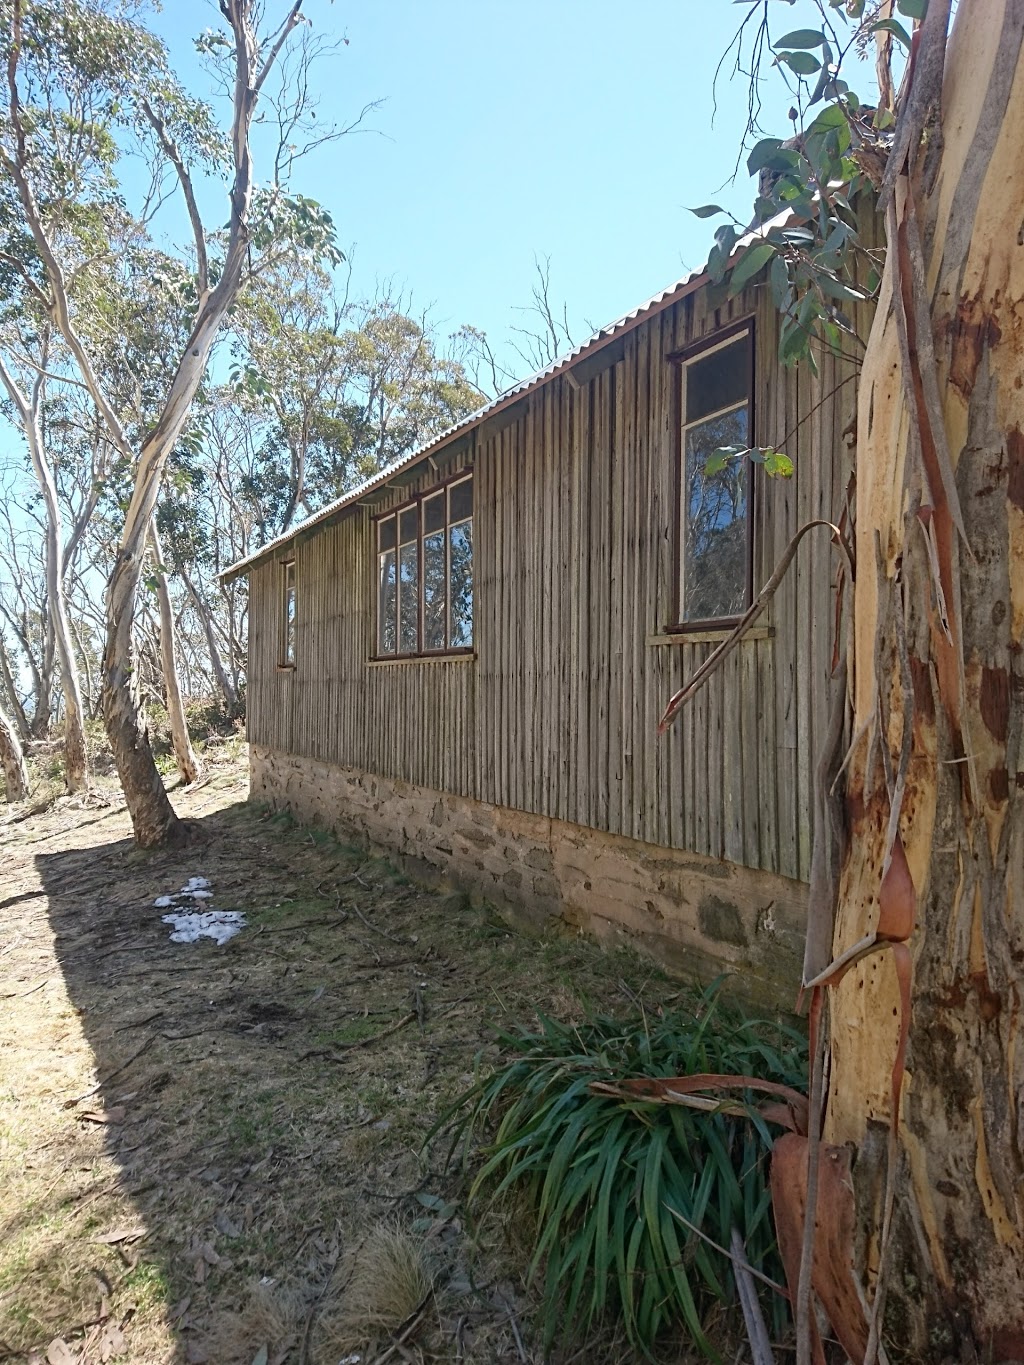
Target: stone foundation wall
x,y
696,915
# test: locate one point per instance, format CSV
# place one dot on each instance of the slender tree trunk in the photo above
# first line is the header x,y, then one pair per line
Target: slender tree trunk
x,y
189,767
224,684
13,700
939,711
42,679
76,771
13,760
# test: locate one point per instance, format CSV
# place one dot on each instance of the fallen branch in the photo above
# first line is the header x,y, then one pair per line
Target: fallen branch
x,y
718,656
772,1284
373,929
340,918
333,1055
413,1322
757,1332
70,1104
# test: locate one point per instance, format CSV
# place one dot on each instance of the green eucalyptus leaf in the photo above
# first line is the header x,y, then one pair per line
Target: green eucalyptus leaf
x,y
803,63
754,259
800,37
913,9
830,117
707,210
777,465
894,27
763,152
778,278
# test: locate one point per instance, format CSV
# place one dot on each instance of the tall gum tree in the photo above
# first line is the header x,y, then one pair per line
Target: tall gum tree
x,y
939,603
56,97
915,958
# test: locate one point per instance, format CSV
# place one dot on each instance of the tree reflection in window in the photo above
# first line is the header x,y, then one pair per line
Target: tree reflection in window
x,y
425,574
460,552
387,589
715,504
288,616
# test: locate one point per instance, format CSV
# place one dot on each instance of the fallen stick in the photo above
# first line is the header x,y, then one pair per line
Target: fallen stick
x,y
373,929
757,1332
70,1104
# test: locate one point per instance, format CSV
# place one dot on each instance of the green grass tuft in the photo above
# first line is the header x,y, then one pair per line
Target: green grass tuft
x,y
603,1176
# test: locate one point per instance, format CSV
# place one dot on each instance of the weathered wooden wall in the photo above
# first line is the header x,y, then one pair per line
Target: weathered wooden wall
x,y
575,527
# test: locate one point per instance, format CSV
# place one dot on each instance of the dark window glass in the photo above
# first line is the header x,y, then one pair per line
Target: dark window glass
x,y
715,520
425,574
288,650
461,554
719,380
435,592
386,605
433,514
461,501
408,599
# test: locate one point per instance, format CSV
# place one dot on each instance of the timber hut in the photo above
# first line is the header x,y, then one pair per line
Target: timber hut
x,y
465,659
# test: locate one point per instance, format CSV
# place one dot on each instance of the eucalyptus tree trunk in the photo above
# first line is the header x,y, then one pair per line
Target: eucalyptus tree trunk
x,y
13,700
225,686
76,771
937,769
189,767
13,760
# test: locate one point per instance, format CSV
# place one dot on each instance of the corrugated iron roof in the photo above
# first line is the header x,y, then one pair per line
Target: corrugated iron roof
x,y
600,338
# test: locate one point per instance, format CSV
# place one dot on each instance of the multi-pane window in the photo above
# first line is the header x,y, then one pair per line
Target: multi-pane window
x,y
425,574
714,565
288,614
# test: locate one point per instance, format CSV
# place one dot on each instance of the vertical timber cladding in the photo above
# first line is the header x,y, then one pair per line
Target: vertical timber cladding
x,y
574,558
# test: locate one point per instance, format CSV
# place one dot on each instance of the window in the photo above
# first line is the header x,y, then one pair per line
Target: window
x,y
715,529
287,655
425,574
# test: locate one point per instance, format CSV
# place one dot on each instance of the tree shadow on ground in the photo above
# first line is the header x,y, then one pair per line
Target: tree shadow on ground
x,y
244,1114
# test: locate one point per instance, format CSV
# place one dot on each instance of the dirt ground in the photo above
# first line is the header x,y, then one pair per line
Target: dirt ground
x,y
215,1152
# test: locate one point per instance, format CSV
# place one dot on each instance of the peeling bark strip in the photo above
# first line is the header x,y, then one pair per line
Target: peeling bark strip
x,y
940,492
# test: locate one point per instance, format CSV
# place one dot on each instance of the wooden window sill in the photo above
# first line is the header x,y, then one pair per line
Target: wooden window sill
x,y
709,637
466,656
286,668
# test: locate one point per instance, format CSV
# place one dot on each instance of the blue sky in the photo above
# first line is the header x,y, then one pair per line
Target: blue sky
x,y
570,130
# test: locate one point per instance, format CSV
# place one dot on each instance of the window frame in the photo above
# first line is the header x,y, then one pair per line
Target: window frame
x,y
417,500
287,638
679,361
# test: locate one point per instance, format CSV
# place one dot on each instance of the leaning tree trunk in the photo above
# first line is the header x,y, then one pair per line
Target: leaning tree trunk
x,y
12,759
24,730
189,767
938,763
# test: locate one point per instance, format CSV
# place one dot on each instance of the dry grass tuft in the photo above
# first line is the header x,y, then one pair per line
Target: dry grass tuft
x,y
391,1276
273,1316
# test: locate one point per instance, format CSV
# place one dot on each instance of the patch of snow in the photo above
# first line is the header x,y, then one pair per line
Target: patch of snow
x,y
220,925
189,924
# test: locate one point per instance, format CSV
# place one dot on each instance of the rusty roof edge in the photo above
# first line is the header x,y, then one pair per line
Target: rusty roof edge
x,y
594,343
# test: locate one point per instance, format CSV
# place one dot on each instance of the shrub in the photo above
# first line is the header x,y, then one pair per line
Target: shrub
x,y
605,1177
